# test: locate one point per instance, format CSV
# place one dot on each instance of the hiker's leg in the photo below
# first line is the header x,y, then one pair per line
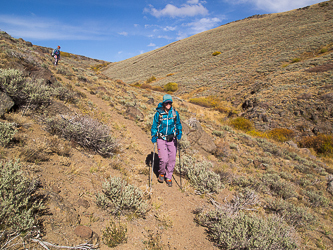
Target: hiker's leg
x,y
162,155
172,151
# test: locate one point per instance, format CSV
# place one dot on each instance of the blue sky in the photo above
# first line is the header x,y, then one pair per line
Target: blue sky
x,y
114,30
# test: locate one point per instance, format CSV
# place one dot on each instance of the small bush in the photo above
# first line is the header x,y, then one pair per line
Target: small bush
x,y
281,134
242,231
241,123
200,175
157,88
317,199
19,203
322,144
120,197
281,188
114,234
64,94
146,86
151,79
171,86
7,132
24,91
65,54
295,60
298,217
216,53
87,132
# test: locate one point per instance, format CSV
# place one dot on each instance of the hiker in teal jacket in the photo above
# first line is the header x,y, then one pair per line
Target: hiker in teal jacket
x,y
165,131
56,55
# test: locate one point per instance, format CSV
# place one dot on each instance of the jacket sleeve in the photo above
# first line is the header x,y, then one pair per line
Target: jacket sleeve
x,y
155,124
179,126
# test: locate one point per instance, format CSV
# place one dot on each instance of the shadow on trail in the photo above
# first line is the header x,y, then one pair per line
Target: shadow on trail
x,y
149,162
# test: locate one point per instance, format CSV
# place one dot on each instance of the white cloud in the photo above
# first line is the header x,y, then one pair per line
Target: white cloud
x,y
123,33
276,6
151,45
169,28
203,24
43,29
185,10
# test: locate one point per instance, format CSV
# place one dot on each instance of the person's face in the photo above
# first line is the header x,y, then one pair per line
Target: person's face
x,y
167,105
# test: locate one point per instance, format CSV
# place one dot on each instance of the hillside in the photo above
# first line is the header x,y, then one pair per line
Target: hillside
x,y
273,69
67,132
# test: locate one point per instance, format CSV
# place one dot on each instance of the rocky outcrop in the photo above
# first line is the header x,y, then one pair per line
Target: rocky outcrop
x,y
198,137
6,103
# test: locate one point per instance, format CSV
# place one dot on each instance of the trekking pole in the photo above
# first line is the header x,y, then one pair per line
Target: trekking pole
x,y
152,169
180,170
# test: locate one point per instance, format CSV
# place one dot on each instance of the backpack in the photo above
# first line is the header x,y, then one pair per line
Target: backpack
x,y
174,114
52,54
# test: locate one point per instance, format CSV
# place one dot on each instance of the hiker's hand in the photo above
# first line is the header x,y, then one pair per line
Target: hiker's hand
x,y
154,139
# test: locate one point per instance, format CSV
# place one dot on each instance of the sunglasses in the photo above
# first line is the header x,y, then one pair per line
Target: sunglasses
x,y
167,103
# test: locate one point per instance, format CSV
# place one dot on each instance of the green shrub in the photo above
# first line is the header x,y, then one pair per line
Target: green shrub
x,y
119,197
241,123
216,53
317,199
19,204
85,131
24,91
7,132
151,79
281,188
322,144
171,86
281,134
114,234
298,217
64,94
242,231
200,174
295,60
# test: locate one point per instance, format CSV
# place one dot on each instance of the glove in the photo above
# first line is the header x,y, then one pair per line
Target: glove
x,y
154,139
179,136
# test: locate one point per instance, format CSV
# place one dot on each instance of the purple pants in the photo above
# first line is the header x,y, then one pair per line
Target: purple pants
x,y
167,153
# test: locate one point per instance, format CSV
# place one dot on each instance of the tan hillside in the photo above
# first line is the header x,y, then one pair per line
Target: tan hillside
x,y
276,68
68,131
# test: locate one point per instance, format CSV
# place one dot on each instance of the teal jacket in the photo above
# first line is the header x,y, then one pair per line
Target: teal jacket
x,y
166,123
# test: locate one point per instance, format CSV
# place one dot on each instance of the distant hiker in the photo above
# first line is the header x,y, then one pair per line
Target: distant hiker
x,y
56,55
166,130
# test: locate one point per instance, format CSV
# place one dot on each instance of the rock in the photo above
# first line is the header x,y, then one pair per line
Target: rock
x,y
6,103
197,136
330,187
83,232
134,114
151,101
291,144
83,203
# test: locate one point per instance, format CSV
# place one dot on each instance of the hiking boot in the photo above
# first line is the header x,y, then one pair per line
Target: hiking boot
x,y
161,178
169,182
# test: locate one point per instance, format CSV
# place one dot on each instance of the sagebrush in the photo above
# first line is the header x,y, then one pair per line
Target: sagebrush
x,y
200,174
7,132
119,197
85,131
20,204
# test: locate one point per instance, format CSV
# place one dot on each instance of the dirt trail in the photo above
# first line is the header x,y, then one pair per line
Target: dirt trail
x,y
173,208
